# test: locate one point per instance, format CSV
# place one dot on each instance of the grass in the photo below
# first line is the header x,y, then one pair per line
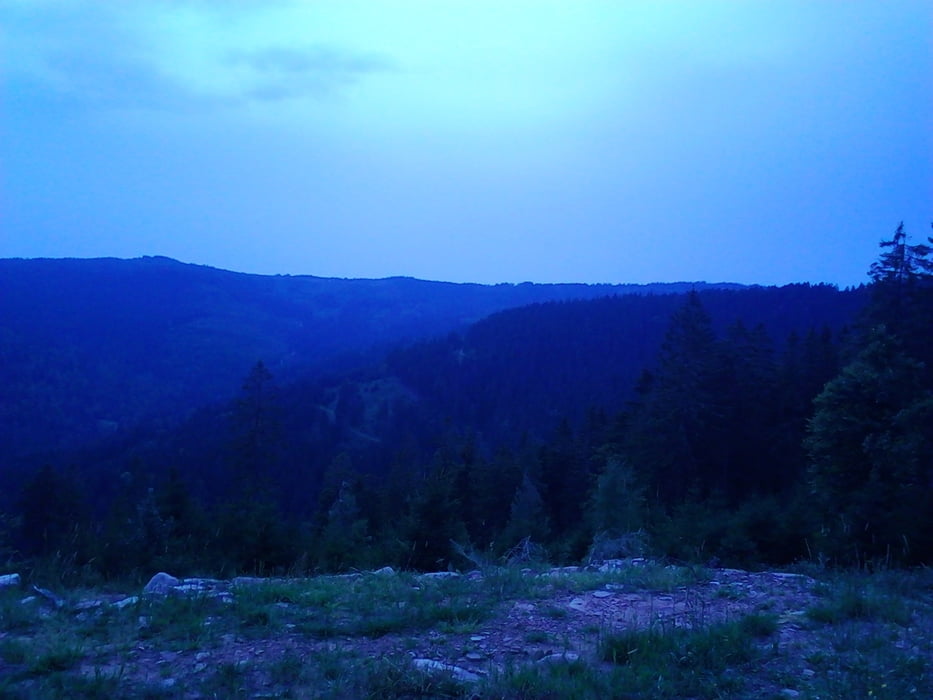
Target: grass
x,y
857,599
866,636
673,661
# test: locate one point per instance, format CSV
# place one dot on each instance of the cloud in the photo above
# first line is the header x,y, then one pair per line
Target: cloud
x,y
162,55
283,73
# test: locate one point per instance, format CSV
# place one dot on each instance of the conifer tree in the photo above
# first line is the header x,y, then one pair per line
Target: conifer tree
x,y
527,516
871,436
668,438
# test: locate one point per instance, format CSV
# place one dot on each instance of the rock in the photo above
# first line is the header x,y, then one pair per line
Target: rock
x,y
577,604
474,656
460,674
28,599
126,602
602,594
161,583
611,565
440,574
566,658
785,576
385,571
49,597
9,580
790,693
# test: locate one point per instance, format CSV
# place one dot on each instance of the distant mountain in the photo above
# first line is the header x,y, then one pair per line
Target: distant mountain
x,y
91,347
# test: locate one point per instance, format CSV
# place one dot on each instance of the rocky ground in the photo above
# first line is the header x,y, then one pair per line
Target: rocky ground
x,y
500,633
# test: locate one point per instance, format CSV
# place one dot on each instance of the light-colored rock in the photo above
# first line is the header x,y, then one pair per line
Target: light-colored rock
x,y
567,657
48,596
440,574
786,576
790,693
161,583
9,580
563,570
474,656
577,604
612,565
385,571
432,666
126,602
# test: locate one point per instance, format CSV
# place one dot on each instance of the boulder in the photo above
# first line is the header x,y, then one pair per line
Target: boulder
x,y
49,597
565,658
457,673
161,583
9,580
440,574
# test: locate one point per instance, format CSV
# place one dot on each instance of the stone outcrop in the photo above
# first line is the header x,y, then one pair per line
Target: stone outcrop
x,y
161,583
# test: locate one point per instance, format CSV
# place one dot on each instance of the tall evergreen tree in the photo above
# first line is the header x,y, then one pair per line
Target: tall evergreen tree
x,y
527,516
669,439
870,443
871,436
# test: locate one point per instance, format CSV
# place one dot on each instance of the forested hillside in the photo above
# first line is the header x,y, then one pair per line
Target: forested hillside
x,y
508,433
92,347
746,426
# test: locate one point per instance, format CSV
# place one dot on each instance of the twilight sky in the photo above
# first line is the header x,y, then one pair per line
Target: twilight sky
x,y
757,141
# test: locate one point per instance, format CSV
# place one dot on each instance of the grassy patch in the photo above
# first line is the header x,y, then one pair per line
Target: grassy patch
x,y
672,661
14,650
574,680
859,600
537,637
373,606
14,614
55,655
862,662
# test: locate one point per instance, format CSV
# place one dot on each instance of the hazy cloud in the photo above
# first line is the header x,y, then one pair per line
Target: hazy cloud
x,y
149,56
284,73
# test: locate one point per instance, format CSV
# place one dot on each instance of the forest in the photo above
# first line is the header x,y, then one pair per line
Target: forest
x,y
745,426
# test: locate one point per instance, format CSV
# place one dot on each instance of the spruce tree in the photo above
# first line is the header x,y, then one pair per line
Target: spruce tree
x,y
870,440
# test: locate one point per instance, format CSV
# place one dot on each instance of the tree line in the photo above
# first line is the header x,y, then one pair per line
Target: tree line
x,y
727,446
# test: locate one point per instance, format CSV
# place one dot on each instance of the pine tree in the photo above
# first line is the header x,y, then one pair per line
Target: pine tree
x,y
871,436
527,515
870,442
668,439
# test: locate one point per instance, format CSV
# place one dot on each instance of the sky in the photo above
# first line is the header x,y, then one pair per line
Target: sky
x,y
753,141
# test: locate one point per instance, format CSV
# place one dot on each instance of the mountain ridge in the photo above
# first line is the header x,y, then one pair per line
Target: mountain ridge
x,y
95,344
